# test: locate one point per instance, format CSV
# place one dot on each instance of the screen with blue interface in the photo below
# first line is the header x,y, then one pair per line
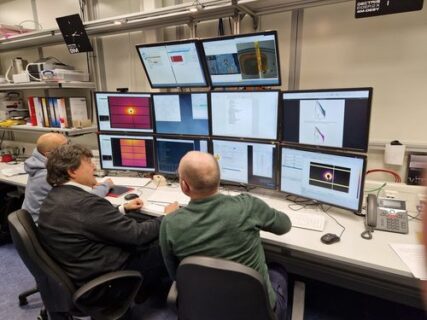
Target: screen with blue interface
x,y
246,162
124,112
184,113
245,114
243,60
327,177
123,152
173,64
170,152
336,118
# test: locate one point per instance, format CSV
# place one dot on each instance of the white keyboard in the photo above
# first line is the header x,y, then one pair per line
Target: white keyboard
x,y
312,221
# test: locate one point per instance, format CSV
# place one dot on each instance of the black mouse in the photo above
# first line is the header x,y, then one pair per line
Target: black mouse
x,y
329,238
131,196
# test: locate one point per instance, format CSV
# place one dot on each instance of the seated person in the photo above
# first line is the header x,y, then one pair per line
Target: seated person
x,y
86,234
37,187
221,226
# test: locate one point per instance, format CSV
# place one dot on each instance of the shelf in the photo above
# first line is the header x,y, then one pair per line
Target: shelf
x,y
47,85
67,132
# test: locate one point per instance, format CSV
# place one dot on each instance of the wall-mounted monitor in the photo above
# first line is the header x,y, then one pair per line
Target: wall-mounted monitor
x,y
336,118
245,114
333,178
243,60
181,113
126,152
170,152
173,64
248,163
124,112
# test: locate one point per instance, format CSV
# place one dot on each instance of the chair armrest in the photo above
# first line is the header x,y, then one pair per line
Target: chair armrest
x,y
172,297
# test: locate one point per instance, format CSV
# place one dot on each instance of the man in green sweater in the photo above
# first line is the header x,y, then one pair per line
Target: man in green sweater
x,y
221,226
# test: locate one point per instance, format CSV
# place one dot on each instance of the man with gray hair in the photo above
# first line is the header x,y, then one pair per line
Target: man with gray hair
x,y
221,226
37,187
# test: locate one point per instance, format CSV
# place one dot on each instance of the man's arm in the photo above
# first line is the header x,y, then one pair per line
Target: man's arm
x,y
169,258
103,188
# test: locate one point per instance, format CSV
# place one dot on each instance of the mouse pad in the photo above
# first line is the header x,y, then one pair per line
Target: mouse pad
x,y
117,191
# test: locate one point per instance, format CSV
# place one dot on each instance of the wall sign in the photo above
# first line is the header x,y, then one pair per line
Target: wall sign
x,y
370,8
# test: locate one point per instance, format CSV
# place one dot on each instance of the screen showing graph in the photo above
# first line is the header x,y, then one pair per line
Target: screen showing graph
x,y
173,64
246,162
124,111
170,152
331,178
247,114
123,152
181,114
336,118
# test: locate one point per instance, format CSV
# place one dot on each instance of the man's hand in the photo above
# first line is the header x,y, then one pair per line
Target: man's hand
x,y
171,207
108,181
133,204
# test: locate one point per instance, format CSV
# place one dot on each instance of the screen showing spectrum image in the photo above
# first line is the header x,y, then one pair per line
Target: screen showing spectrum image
x,y
124,111
246,162
243,60
173,64
170,152
336,118
335,179
183,113
245,114
123,152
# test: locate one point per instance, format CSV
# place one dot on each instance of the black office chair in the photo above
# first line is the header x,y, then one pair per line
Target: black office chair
x,y
106,297
211,289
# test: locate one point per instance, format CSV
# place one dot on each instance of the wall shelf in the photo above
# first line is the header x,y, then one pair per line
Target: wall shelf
x,y
68,132
47,85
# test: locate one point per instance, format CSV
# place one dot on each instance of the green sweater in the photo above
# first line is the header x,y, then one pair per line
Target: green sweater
x,y
223,227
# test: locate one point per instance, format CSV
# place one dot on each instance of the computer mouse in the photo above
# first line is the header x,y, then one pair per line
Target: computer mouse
x,y
131,196
329,238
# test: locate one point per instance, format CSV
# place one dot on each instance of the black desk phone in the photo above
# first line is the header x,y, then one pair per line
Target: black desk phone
x,y
386,214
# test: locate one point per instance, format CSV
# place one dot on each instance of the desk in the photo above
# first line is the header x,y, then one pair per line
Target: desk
x,y
19,180
367,266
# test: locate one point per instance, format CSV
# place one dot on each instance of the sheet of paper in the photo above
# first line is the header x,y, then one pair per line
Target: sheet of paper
x,y
13,170
413,256
127,181
168,195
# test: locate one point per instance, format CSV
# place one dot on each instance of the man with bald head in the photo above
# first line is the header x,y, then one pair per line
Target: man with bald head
x,y
221,226
37,187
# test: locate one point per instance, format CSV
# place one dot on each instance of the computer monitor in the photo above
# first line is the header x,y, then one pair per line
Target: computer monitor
x,y
126,112
243,60
245,114
250,163
170,152
181,113
125,152
333,178
335,118
173,64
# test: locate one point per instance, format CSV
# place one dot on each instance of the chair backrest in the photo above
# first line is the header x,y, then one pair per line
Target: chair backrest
x,y
212,289
56,288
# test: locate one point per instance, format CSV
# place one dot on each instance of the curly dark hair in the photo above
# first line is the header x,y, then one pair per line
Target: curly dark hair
x,y
64,158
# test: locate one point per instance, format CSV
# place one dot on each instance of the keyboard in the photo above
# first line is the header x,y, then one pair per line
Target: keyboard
x,y
312,221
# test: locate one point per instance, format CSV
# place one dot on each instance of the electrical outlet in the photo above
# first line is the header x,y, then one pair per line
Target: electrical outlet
x,y
392,194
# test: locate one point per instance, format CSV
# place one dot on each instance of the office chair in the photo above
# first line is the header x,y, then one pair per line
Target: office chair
x,y
106,297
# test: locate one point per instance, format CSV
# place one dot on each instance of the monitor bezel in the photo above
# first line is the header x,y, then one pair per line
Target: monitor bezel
x,y
212,39
213,136
200,55
132,136
282,120
184,135
329,152
115,131
275,159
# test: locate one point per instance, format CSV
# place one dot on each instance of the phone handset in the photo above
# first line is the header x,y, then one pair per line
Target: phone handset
x,y
371,216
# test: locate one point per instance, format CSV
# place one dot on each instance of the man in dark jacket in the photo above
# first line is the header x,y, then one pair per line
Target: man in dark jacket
x,y
84,233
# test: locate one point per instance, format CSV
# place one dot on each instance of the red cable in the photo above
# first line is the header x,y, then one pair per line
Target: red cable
x,y
393,173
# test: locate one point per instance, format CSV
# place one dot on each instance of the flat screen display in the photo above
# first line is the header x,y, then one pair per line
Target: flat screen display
x,y
170,152
245,114
124,152
246,162
124,112
331,178
181,114
173,64
243,60
336,118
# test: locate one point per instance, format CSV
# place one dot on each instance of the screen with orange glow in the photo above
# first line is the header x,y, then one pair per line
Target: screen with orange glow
x,y
130,112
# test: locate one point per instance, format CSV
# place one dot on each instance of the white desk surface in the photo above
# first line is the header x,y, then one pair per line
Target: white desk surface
x,y
19,180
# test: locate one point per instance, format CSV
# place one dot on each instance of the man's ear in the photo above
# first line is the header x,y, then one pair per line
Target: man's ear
x,y
71,173
184,186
